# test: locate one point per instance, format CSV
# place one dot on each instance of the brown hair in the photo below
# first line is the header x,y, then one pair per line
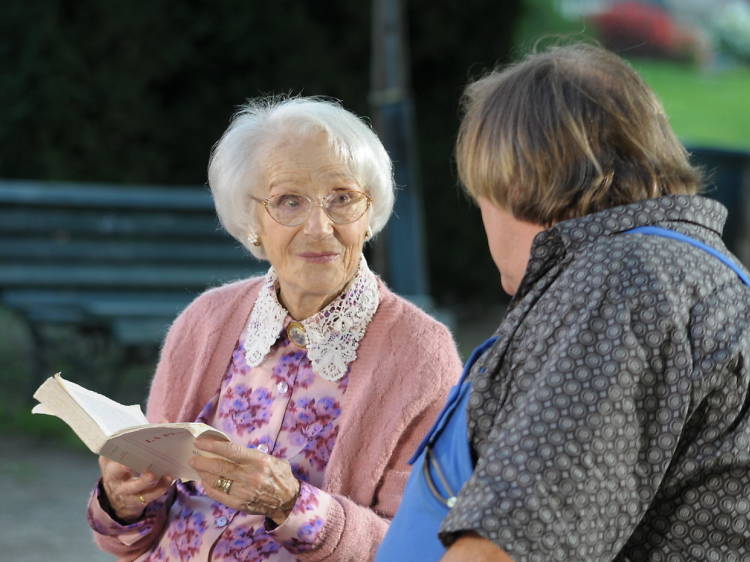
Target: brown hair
x,y
567,132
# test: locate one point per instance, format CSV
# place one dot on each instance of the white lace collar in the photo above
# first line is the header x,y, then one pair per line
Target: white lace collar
x,y
333,334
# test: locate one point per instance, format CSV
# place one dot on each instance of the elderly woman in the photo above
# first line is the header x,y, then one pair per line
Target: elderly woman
x,y
324,379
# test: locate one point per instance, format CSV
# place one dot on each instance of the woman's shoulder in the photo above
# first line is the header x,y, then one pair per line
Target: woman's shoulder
x,y
403,341
408,326
404,314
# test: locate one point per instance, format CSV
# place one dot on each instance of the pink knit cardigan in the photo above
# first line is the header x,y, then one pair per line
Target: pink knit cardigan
x,y
405,365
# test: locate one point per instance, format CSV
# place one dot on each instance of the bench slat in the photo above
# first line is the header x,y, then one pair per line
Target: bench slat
x,y
179,277
119,257
59,222
108,196
43,296
57,314
140,332
132,251
93,308
101,304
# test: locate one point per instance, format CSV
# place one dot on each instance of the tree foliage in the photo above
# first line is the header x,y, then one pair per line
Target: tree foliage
x,y
137,92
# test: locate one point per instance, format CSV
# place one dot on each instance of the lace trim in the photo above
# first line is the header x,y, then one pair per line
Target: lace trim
x,y
333,334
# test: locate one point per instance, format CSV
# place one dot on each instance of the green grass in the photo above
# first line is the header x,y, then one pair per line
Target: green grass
x,y
20,420
709,108
705,108
131,379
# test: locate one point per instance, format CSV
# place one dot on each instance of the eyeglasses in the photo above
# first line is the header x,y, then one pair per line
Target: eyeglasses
x,y
293,209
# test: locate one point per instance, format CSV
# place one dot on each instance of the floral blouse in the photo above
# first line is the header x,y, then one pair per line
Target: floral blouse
x,y
280,407
270,399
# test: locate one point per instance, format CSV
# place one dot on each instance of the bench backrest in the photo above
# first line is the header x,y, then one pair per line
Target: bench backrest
x,y
127,257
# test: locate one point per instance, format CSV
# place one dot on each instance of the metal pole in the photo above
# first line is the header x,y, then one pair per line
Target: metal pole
x,y
401,250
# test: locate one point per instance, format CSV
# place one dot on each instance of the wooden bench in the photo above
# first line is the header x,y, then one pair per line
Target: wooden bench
x,y
115,258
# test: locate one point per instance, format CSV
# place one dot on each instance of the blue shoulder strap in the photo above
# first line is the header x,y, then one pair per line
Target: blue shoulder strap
x,y
441,465
666,233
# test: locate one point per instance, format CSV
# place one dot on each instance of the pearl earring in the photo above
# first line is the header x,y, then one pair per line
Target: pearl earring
x,y
253,238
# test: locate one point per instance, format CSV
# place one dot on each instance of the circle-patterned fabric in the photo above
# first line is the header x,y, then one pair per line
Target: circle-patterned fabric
x,y
611,420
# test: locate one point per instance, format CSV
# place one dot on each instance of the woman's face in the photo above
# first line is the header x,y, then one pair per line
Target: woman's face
x,y
315,260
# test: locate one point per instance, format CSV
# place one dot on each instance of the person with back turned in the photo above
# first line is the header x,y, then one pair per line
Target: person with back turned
x,y
607,418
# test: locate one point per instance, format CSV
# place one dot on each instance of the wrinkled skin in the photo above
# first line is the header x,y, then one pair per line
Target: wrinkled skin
x,y
261,484
125,488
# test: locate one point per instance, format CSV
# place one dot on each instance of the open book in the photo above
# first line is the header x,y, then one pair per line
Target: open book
x,y
122,433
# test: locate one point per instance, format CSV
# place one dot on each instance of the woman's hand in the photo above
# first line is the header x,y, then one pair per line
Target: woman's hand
x,y
128,492
259,483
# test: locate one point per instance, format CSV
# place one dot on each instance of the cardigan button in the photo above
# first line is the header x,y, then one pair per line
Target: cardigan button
x,y
263,448
222,521
282,387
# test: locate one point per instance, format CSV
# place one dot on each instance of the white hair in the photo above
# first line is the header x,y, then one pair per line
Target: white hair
x,y
235,167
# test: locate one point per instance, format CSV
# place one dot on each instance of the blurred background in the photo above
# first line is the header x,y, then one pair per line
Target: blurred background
x,y
109,112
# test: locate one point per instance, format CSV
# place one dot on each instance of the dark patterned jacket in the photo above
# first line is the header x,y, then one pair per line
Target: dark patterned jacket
x,y
611,421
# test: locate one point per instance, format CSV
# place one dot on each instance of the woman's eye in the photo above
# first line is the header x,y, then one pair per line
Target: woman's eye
x,y
289,201
342,198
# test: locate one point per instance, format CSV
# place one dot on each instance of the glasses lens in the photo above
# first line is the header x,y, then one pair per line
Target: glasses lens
x,y
346,206
290,209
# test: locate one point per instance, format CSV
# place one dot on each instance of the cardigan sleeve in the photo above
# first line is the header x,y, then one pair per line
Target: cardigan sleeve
x,y
127,540
196,351
134,539
349,531
159,408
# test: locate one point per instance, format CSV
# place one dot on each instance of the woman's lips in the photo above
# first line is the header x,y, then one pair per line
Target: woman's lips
x,y
319,257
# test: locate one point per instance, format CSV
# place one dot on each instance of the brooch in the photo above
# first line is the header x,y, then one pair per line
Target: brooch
x,y
295,331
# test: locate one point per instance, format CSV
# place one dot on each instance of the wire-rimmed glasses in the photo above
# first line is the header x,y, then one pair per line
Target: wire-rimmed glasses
x,y
341,206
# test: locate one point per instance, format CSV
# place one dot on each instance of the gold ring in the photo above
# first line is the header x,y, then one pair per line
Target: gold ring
x,y
224,484
142,499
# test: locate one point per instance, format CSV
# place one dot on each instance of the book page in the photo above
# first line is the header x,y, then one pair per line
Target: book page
x,y
109,415
122,433
56,401
160,448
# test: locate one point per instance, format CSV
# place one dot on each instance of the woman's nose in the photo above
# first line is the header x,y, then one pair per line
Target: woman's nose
x,y
318,223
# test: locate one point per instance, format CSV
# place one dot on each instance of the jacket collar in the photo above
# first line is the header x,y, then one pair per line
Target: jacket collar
x,y
552,245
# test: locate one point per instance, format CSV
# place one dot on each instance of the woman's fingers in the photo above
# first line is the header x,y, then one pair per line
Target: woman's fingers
x,y
234,463
227,449
254,482
143,484
153,489
113,471
129,499
128,493
219,466
126,480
